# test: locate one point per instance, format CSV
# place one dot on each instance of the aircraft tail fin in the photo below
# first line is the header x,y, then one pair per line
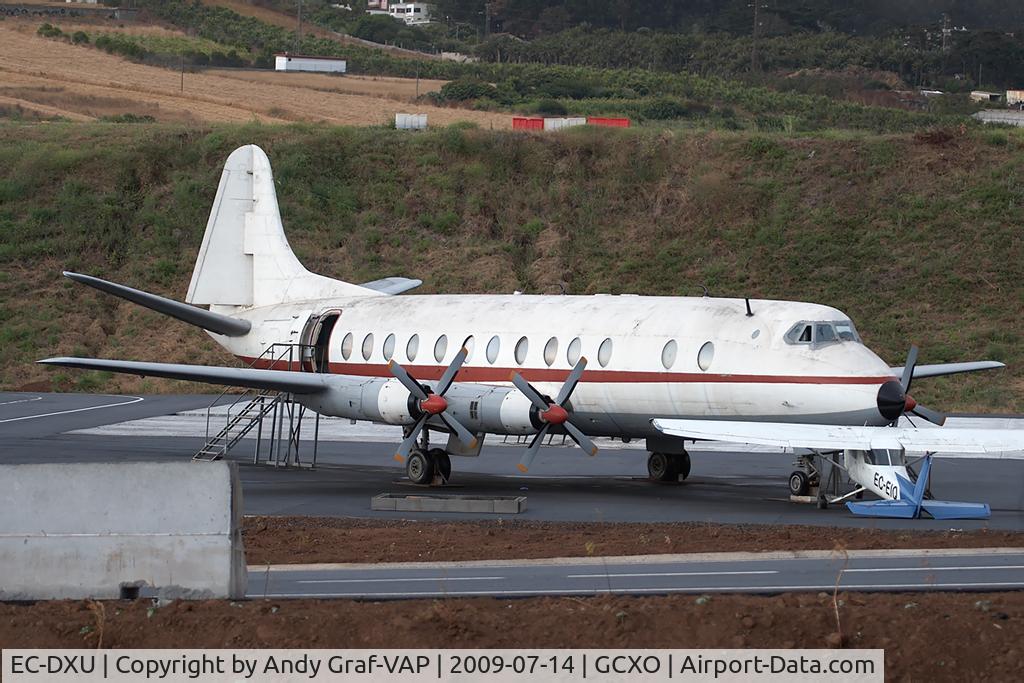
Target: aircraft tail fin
x,y
245,258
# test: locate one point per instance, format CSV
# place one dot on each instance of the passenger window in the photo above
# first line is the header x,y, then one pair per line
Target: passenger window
x,y
413,347
705,356
469,344
522,346
440,348
550,351
493,347
604,353
668,354
368,346
346,346
389,347
573,354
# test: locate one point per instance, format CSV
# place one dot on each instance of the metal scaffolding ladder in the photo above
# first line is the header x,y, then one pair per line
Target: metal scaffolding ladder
x,y
278,443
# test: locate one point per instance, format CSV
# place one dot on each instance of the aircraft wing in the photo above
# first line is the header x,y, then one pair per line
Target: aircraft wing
x,y
277,380
835,437
940,369
392,285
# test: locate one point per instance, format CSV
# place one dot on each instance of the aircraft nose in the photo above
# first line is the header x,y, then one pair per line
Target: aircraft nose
x,y
891,400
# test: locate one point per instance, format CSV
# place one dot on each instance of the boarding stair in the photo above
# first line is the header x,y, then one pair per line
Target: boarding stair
x,y
277,443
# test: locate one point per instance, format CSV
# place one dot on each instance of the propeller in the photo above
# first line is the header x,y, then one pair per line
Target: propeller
x,y
431,403
553,414
909,404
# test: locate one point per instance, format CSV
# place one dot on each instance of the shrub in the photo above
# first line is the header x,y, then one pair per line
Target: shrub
x,y
463,89
664,108
551,108
80,37
48,30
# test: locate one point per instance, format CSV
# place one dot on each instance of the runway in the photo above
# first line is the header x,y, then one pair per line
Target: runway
x,y
564,484
767,573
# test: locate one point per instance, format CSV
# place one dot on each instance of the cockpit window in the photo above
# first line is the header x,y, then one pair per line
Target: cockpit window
x,y
846,331
824,332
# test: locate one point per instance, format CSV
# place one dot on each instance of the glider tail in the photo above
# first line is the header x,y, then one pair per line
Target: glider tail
x,y
245,259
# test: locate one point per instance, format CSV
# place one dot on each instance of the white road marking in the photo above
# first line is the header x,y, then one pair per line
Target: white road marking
x,y
684,589
429,578
22,400
935,569
135,399
650,574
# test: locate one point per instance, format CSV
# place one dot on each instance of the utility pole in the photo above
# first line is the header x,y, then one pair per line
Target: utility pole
x,y
487,20
753,49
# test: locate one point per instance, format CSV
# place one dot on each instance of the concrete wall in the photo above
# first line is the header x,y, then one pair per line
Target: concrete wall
x,y
84,530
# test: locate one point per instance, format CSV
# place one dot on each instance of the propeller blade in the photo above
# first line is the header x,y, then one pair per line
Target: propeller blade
x,y
933,416
530,393
410,441
580,438
465,436
449,374
570,383
531,451
407,381
908,369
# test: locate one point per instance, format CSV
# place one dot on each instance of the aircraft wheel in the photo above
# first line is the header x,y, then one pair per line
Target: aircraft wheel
x,y
442,463
661,467
682,464
420,467
799,483
822,502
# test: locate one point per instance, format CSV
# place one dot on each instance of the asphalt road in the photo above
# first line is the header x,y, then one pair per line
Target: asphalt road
x,y
889,570
564,484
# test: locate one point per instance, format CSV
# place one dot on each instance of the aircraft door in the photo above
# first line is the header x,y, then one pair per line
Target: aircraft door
x,y
316,338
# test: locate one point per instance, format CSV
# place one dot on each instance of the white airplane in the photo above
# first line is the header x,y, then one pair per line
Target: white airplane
x,y
664,369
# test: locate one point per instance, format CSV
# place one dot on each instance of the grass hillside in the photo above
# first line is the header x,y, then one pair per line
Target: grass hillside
x,y
918,238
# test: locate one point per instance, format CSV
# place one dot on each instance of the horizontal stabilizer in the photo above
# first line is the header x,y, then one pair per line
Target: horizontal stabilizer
x,y
392,285
940,369
838,437
938,509
214,322
275,380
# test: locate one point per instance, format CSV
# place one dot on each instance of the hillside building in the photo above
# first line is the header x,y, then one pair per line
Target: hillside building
x,y
410,12
284,61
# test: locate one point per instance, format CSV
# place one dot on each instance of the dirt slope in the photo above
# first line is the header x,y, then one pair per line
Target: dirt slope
x,y
926,636
31,62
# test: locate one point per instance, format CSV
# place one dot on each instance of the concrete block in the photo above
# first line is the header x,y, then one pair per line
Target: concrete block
x,y
86,530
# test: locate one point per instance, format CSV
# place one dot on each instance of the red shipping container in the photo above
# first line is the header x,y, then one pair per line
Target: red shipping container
x,y
523,123
610,123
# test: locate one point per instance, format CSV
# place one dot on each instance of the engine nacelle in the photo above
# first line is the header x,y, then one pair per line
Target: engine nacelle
x,y
395,404
517,414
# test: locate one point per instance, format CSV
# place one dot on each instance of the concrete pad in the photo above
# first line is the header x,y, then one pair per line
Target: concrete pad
x,y
86,530
502,505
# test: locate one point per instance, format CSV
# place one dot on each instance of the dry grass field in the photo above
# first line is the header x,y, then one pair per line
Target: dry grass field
x,y
54,78
402,89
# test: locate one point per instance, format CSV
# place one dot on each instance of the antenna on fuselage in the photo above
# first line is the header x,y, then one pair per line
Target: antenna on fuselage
x,y
704,287
750,313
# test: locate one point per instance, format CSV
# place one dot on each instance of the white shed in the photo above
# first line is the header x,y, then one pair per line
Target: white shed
x,y
289,62
411,121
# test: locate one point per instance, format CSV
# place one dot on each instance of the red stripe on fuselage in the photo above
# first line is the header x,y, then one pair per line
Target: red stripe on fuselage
x,y
475,374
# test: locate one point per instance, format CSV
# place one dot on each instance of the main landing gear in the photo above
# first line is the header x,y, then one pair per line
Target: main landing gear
x,y
428,466
668,466
425,466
